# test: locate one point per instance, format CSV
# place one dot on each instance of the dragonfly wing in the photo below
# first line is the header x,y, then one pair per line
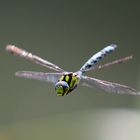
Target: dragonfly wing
x,y
31,57
118,61
47,77
108,86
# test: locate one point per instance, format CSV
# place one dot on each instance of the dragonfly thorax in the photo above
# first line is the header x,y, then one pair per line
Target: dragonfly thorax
x,y
67,83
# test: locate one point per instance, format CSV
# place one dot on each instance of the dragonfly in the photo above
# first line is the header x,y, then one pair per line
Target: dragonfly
x,y
65,82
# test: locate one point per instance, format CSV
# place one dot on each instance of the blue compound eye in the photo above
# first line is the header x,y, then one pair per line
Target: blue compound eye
x,y
61,88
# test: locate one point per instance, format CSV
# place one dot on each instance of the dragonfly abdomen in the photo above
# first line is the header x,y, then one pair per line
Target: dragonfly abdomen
x,y
97,57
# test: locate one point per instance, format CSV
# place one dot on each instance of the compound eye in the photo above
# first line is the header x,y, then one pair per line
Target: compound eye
x,y
61,88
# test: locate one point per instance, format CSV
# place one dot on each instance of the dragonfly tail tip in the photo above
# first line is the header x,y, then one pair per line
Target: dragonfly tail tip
x,y
114,45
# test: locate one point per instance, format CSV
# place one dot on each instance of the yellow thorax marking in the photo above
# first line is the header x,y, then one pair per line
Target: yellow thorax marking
x,y
73,81
67,78
61,78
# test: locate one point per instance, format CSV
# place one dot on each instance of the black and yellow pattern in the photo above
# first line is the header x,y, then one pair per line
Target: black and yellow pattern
x,y
71,79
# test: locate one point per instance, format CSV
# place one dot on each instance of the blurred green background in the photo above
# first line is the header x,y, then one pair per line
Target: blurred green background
x,y
67,33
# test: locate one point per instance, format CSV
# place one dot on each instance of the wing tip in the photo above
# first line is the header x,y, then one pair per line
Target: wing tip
x,y
9,47
20,73
14,49
138,93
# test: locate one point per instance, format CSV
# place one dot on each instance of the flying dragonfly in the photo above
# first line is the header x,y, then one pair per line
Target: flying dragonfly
x,y
65,82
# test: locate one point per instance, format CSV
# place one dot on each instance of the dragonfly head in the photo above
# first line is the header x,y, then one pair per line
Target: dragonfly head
x,y
61,88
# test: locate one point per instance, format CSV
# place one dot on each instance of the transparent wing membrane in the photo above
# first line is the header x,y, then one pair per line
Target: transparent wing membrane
x,y
34,58
118,61
108,86
47,77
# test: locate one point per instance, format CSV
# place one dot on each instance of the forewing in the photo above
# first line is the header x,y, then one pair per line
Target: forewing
x,y
47,77
31,57
118,61
108,86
